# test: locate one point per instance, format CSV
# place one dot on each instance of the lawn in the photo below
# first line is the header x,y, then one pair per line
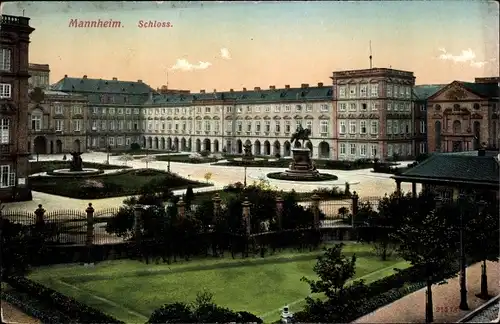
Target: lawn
x,y
125,183
47,166
130,290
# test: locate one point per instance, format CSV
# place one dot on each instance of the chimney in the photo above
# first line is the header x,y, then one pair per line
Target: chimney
x,y
320,84
215,90
272,87
304,85
287,86
256,89
202,91
85,76
139,81
65,75
244,89
115,79
231,90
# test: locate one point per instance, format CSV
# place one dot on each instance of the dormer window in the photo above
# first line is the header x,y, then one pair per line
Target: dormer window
x,y
476,106
125,99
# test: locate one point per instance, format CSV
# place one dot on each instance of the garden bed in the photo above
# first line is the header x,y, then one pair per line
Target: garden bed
x,y
48,166
320,164
137,152
126,183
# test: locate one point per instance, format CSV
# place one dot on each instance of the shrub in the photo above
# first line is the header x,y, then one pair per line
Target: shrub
x,y
277,155
79,312
328,193
205,153
135,147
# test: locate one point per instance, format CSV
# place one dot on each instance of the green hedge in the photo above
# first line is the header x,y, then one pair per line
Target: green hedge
x,y
78,312
320,164
47,166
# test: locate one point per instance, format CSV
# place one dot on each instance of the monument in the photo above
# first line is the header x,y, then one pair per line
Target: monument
x,y
247,153
76,162
302,167
75,169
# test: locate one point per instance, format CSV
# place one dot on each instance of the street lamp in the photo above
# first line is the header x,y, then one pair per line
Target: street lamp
x,y
463,283
245,179
107,154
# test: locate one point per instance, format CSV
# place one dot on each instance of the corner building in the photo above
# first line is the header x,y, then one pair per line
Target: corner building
x,y
14,164
373,114
225,121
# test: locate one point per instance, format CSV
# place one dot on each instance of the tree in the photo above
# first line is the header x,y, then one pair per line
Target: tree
x,y
387,220
482,232
333,269
208,176
188,197
426,237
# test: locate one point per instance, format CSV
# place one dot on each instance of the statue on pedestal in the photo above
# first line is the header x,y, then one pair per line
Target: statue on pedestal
x,y
76,162
247,152
300,134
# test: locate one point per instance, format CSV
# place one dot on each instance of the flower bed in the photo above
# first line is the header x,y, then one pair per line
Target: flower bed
x,y
48,166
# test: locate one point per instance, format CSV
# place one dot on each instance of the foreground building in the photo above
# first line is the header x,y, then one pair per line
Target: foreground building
x,y
226,121
14,164
373,114
463,116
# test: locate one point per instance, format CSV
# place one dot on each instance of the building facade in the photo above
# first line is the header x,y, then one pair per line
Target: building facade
x,y
463,116
113,118
421,94
39,76
226,121
14,164
372,114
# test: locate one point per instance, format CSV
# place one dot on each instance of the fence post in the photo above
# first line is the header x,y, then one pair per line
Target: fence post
x,y
355,199
315,204
246,215
138,209
39,213
216,200
279,211
181,208
90,231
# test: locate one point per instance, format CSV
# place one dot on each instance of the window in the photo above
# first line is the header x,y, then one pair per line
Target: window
x,y
352,149
298,108
267,126
277,127
95,110
352,127
374,106
395,127
5,59
342,91
128,111
239,126
373,150
389,127
120,124
7,178
298,123
362,126
390,150
257,126
127,141
120,112
129,125
249,109
323,126
422,108
342,127
177,111
323,108
229,109
36,122
103,125
111,141
257,109
198,125
169,126
207,125
119,141
184,126
111,111
77,110
5,90
104,110
136,111
309,107
342,106
287,126
309,125
423,127
389,106
60,125
362,150
229,126
288,108
389,90
4,131
342,148
408,92
249,126
352,92
58,109
216,125
207,110
111,125
77,125
374,90
423,147
374,127
363,89
353,106
364,106
396,89
401,91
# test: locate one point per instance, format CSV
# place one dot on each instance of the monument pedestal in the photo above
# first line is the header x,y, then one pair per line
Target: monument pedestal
x,y
302,165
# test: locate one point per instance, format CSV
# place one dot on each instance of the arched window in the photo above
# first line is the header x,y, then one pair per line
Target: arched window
x,y
437,129
457,127
437,107
476,106
477,135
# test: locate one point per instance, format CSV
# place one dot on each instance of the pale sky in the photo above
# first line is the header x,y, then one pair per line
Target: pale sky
x,y
222,45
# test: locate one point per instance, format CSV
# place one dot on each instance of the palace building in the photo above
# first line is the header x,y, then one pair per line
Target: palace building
x,y
14,164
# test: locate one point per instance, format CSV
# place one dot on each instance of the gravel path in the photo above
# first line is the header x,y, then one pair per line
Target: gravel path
x,y
12,314
446,298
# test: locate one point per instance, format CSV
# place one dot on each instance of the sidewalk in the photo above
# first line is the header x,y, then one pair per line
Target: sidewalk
x,y
446,298
12,314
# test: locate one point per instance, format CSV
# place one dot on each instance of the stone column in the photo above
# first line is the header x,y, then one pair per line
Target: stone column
x,y
181,208
90,232
398,187
39,213
355,200
246,216
279,211
315,204
414,189
138,210
217,207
